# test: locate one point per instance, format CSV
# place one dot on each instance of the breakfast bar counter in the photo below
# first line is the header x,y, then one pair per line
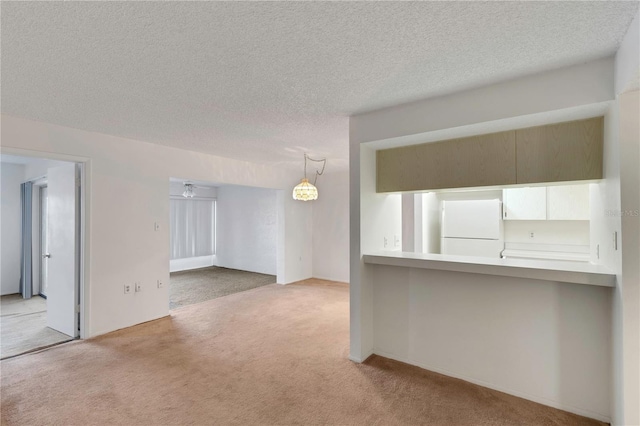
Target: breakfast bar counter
x,y
548,270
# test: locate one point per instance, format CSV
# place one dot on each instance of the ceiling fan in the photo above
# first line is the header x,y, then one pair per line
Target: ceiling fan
x,y
188,189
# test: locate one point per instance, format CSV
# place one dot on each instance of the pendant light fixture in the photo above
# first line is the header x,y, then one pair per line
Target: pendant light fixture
x,y
306,191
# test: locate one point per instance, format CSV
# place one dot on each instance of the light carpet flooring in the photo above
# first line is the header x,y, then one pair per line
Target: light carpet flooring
x,y
23,326
198,285
274,355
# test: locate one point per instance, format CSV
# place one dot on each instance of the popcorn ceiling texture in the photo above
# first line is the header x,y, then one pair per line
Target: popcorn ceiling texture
x,y
266,81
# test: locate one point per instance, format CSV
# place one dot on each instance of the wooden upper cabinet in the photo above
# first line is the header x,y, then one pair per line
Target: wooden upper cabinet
x,y
485,160
560,152
563,152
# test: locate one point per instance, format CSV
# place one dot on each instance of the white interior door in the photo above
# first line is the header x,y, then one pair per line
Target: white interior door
x,y
62,288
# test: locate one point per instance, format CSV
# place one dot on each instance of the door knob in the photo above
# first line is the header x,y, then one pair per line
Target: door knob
x,y
47,255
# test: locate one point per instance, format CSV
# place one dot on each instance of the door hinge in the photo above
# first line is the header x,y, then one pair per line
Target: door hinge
x,y
77,309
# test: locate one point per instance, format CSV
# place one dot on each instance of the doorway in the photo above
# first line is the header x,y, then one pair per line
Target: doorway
x,y
223,240
42,258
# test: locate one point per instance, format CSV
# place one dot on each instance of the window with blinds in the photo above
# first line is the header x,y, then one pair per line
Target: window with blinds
x,y
192,228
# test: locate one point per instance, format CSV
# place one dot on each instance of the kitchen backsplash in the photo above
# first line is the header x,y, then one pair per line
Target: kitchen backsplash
x,y
570,232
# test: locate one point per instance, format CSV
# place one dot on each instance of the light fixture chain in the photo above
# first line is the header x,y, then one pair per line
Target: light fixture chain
x,y
306,191
318,173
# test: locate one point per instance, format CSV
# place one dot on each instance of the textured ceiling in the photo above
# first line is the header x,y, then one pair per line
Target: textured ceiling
x,y
266,81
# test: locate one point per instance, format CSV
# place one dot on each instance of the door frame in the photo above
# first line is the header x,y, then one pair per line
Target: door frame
x,y
37,247
82,244
43,237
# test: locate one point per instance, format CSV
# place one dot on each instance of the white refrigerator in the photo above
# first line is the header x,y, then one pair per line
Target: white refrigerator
x,y
472,228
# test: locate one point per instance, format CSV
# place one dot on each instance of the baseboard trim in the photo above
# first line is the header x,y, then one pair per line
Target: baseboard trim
x,y
519,394
331,279
360,360
189,263
355,359
102,333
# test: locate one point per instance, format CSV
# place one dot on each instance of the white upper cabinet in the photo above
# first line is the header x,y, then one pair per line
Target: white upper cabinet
x,y
524,203
566,202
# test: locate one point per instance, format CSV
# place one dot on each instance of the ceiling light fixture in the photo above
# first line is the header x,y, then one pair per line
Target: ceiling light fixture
x,y
306,191
188,190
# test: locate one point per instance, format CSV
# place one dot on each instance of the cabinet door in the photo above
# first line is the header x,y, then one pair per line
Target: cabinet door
x,y
485,160
524,203
568,202
560,152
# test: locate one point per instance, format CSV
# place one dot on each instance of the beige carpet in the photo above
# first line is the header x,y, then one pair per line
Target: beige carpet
x,y
198,285
23,326
272,355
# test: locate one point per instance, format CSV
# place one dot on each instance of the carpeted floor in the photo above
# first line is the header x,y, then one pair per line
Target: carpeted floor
x,y
23,326
198,285
271,355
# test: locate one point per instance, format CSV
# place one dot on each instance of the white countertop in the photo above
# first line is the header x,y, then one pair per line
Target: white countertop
x,y
548,270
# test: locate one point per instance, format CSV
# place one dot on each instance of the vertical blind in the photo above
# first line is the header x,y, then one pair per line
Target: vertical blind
x,y
192,228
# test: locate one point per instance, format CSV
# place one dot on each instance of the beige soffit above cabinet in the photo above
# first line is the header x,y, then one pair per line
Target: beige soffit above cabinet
x,y
561,152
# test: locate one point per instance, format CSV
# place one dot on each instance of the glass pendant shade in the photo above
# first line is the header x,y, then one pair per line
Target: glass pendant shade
x,y
305,191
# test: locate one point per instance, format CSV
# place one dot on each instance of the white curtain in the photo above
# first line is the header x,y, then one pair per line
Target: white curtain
x,y
192,228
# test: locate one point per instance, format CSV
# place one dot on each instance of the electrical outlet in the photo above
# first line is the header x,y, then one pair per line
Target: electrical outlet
x,y
127,288
160,284
138,287
531,235
396,240
385,241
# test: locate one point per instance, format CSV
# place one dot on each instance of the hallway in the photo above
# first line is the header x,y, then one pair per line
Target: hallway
x,y
23,326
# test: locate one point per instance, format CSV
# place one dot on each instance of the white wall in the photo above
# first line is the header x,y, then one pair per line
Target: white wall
x,y
627,296
557,232
246,229
12,175
373,218
627,65
626,299
38,167
294,242
542,93
381,318
604,198
533,339
331,227
127,184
